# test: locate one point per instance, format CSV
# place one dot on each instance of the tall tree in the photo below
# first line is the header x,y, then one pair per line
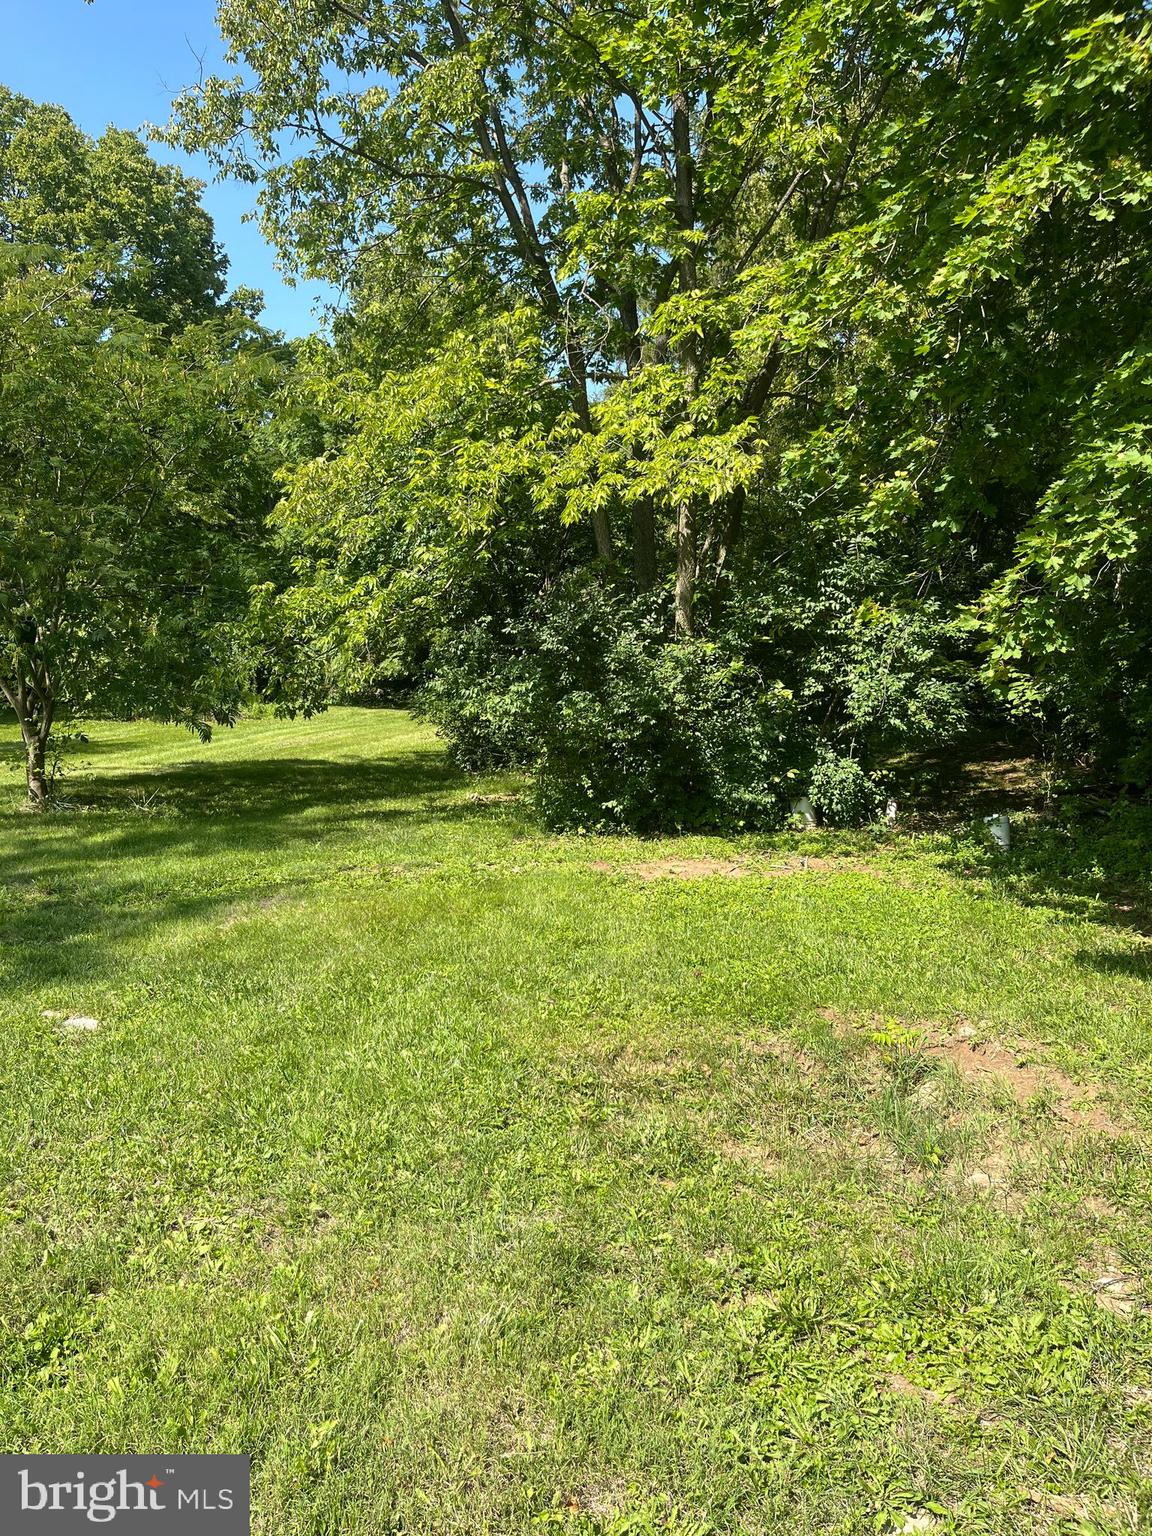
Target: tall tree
x,y
146,240
620,172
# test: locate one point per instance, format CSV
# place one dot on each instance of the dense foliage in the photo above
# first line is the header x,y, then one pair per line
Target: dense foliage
x,y
782,364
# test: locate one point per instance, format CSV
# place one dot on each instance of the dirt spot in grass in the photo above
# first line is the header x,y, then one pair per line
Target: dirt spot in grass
x,y
674,869
632,1066
993,1064
788,1055
842,1024
813,864
1100,1208
289,1237
603,1501
1069,1506
752,1154
1004,1181
1114,1287
705,867
497,799
988,1063
899,1386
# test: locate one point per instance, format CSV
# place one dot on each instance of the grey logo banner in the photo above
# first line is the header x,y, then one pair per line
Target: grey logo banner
x,y
129,1495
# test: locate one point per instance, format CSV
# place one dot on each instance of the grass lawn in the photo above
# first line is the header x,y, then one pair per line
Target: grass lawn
x,y
481,1181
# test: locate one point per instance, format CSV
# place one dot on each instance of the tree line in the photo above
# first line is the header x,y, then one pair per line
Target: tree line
x,y
725,398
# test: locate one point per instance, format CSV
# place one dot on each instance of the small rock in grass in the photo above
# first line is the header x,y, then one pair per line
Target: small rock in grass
x,y
915,1523
80,1021
978,1179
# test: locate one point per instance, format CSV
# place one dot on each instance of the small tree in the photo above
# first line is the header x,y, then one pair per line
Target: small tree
x,y
130,509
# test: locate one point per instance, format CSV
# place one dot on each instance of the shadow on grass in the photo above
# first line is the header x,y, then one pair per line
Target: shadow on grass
x,y
1097,868
256,792
77,884
1137,963
1072,851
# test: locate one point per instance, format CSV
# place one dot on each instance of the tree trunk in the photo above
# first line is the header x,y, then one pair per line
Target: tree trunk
x,y
729,538
602,533
644,545
34,702
643,512
690,353
685,569
577,364
37,775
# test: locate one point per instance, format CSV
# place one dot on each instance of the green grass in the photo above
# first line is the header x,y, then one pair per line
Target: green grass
x,y
474,1188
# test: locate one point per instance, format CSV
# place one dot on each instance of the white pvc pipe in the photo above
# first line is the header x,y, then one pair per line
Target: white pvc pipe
x,y
1000,829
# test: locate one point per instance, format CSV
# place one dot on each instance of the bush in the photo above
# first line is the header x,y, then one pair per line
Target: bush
x,y
624,729
843,793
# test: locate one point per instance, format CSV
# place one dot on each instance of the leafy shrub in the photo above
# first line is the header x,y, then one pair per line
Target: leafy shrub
x,y
1069,636
623,729
843,793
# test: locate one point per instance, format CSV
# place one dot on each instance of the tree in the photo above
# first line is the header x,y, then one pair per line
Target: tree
x,y
618,172
131,505
146,241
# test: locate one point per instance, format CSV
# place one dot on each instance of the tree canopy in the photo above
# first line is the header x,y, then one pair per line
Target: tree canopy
x,y
133,493
147,241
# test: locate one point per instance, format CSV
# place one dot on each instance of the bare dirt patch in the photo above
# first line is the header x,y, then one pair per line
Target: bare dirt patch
x,y
787,1054
635,1066
1114,1284
674,869
705,867
993,1064
805,864
1100,1208
603,1501
900,1386
1062,1507
988,1063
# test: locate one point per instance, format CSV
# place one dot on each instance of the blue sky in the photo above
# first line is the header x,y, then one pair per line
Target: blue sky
x,y
122,61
